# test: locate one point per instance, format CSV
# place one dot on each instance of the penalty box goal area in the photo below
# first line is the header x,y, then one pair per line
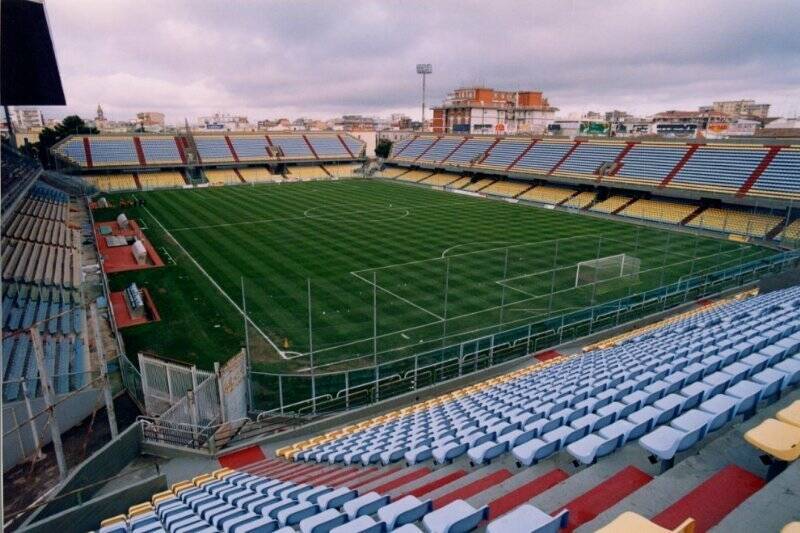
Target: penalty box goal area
x,y
621,266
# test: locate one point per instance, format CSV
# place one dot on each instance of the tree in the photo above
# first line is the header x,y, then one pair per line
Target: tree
x,y
383,148
71,125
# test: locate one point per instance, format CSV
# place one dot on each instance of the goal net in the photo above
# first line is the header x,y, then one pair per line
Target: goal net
x,y
607,268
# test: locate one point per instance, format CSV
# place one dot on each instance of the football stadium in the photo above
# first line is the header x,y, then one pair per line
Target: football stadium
x,y
234,328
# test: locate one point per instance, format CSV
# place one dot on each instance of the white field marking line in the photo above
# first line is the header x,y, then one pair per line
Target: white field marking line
x,y
519,245
288,219
444,253
333,216
215,284
387,291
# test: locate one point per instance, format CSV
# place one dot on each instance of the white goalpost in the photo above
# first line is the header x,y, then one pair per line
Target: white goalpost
x,y
607,268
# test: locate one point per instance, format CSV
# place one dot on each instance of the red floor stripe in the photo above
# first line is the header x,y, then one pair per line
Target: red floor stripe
x,y
525,492
370,479
588,505
467,491
242,458
712,500
316,475
335,474
302,472
402,480
435,484
546,356
277,469
361,472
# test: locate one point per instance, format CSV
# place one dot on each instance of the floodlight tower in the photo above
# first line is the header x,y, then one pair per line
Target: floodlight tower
x,y
424,69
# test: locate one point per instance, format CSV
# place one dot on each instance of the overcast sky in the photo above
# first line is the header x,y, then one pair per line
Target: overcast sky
x,y
324,58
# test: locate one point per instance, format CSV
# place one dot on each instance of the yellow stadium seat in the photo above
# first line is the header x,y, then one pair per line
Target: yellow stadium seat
x,y
658,211
581,200
630,522
778,439
440,179
733,221
610,204
342,171
415,175
392,172
546,194
305,173
790,414
161,180
508,189
222,176
459,183
259,175
112,182
478,185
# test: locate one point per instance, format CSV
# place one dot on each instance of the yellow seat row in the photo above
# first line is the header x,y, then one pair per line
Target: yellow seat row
x,y
259,174
161,180
581,200
547,194
779,436
610,204
222,176
659,211
440,179
112,182
392,172
342,171
792,231
509,189
732,221
478,185
289,452
459,183
305,172
415,175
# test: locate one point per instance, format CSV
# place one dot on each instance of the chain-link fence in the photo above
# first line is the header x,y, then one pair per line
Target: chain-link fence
x,y
328,380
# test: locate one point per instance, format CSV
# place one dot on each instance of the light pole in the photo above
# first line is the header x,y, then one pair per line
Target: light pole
x,y
424,69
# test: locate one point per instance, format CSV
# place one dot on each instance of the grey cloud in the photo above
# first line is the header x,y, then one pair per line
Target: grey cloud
x,y
317,58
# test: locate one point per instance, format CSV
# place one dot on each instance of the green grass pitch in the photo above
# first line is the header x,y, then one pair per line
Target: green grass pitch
x,y
419,267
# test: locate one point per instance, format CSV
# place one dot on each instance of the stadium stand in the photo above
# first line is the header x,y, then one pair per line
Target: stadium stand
x,y
213,149
611,204
305,172
718,168
478,185
343,170
663,391
161,180
546,194
734,221
392,172
544,155
160,150
222,176
112,182
659,211
725,169
414,175
506,188
18,174
470,152
441,150
504,154
259,174
648,163
459,183
589,158
440,179
581,200
140,151
779,178
791,232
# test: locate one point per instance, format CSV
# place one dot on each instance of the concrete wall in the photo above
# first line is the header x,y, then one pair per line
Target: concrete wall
x,y
83,482
87,516
19,444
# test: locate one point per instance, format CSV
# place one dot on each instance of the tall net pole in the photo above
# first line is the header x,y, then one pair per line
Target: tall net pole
x,y
503,297
446,290
375,334
248,356
311,352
